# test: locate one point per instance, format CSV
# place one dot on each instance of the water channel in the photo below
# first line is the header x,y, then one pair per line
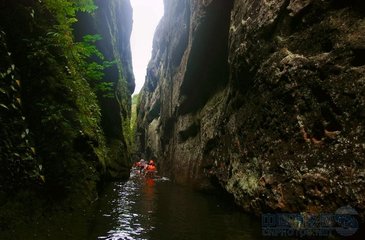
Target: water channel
x,y
159,209
151,209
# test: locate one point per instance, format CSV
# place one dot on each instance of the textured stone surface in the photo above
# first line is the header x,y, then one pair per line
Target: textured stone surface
x,y
277,117
113,22
188,67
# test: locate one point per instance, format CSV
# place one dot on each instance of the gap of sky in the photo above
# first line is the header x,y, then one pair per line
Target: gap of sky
x,y
146,16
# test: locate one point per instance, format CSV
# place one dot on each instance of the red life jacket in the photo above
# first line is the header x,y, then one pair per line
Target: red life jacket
x,y
151,168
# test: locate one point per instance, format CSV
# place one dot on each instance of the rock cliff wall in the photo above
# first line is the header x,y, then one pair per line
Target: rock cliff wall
x,y
112,20
264,97
60,135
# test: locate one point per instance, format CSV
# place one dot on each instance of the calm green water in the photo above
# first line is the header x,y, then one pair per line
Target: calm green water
x,y
158,209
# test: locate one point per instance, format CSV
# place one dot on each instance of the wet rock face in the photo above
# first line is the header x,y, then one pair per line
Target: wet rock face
x,y
188,67
296,106
277,117
113,22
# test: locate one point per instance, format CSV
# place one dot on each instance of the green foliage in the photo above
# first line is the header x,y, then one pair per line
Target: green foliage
x,y
66,76
88,60
64,12
86,6
93,71
87,48
19,166
135,99
59,81
70,76
135,103
106,89
133,121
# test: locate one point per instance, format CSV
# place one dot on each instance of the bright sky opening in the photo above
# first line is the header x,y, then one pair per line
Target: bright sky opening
x,y
146,16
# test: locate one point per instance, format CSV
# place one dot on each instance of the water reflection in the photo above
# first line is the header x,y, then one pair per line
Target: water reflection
x,y
132,212
157,209
153,210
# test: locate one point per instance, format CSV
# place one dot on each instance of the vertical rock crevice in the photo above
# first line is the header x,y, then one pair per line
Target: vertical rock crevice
x,y
206,68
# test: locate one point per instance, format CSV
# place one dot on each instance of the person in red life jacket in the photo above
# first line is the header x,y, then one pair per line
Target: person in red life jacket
x,y
140,165
150,169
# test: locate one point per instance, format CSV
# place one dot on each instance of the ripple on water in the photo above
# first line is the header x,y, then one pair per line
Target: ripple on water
x,y
159,210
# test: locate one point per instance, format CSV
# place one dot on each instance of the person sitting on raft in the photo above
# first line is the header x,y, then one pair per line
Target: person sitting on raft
x,y
141,165
150,169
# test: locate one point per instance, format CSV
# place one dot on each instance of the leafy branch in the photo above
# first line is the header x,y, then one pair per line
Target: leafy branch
x,y
88,60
